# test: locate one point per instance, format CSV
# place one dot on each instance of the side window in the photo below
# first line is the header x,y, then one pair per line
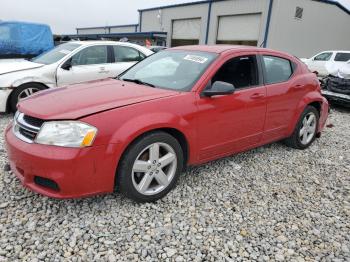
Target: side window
x,y
342,57
127,54
241,71
323,57
277,69
90,56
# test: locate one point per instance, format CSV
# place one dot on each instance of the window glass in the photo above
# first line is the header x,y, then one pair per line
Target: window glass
x,y
127,54
342,57
323,56
175,70
277,69
55,54
91,55
241,72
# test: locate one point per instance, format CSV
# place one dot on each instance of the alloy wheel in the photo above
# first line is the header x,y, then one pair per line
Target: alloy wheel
x,y
154,168
308,128
27,92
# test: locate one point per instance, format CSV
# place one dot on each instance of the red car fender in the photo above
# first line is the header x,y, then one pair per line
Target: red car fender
x,y
309,98
135,127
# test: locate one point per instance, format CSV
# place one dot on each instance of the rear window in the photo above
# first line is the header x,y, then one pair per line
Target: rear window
x,y
127,54
277,69
342,57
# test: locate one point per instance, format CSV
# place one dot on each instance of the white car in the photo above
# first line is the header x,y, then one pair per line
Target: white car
x,y
69,63
319,62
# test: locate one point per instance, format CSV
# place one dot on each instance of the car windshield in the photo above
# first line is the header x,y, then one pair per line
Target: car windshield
x,y
55,54
170,69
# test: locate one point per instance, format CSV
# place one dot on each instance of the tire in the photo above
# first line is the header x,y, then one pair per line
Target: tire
x,y
303,140
23,91
140,175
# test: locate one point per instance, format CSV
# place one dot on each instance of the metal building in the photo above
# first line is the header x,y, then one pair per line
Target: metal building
x,y
300,27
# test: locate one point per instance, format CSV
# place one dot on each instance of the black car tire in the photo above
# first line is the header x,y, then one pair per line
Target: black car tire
x,y
125,181
295,140
14,97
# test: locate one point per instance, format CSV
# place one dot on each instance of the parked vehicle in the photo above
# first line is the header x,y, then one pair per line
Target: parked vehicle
x,y
336,87
318,63
21,39
157,48
182,106
69,63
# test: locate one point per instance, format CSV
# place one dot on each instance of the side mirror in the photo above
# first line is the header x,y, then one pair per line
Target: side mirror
x,y
67,65
219,88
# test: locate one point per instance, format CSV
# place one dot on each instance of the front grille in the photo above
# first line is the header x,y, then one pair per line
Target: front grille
x,y
28,134
26,127
33,121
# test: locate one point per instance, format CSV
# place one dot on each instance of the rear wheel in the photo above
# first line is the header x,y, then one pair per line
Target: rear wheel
x,y
22,92
150,167
306,129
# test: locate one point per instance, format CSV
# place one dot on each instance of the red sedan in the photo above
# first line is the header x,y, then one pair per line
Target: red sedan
x,y
182,106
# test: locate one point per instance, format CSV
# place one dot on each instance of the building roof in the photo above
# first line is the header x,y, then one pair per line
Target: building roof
x,y
140,34
336,3
107,26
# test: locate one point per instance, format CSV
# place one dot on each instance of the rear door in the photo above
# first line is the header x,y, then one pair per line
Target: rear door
x,y
91,63
341,58
284,89
124,57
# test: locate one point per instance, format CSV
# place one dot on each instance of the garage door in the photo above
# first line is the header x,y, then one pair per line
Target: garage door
x,y
239,29
186,32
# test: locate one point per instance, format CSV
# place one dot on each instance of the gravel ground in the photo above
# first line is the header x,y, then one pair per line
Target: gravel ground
x,y
271,203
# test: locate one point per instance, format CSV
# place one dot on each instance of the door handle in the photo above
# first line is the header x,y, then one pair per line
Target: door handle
x,y
257,96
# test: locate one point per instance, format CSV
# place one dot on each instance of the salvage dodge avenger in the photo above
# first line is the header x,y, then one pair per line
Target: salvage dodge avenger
x,y
182,106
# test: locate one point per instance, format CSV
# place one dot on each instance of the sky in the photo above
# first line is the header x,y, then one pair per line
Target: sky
x,y
65,15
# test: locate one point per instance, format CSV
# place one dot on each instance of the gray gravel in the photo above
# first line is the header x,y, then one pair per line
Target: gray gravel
x,y
271,203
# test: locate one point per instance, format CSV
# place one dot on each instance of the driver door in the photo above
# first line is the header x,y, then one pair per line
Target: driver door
x,y
91,63
318,63
232,123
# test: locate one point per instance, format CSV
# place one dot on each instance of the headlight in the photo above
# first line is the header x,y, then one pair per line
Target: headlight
x,y
66,134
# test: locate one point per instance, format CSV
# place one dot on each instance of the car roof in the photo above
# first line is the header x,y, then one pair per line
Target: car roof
x,y
220,48
337,51
93,42
143,49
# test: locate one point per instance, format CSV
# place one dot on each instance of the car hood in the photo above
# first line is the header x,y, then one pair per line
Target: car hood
x,y
76,101
16,65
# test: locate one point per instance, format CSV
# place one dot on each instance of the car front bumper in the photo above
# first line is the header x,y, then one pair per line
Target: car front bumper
x,y
61,172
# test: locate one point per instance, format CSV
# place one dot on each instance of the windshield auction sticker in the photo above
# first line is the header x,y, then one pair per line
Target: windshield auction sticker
x,y
196,58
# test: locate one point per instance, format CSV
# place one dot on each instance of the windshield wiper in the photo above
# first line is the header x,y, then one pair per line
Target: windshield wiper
x,y
138,81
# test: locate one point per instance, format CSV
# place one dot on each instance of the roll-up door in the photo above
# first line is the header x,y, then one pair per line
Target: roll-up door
x,y
186,32
239,29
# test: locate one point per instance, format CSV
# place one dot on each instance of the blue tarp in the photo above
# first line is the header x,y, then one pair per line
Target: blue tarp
x,y
19,38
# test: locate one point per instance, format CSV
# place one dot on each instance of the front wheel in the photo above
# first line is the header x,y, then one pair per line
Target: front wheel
x,y
150,167
22,92
306,129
